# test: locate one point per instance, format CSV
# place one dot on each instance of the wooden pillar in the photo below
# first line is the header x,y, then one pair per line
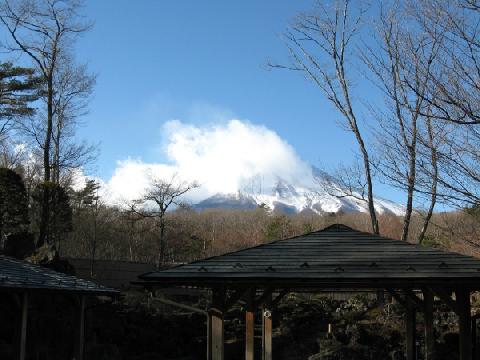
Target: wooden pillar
x,y
410,330
217,339
380,297
23,327
429,329
474,339
250,326
464,323
209,337
215,314
267,330
80,329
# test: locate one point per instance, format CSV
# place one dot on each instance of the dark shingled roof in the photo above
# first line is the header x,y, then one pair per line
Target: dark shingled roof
x,y
21,275
335,257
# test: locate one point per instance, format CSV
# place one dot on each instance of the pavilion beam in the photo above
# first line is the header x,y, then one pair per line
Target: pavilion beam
x,y
216,333
267,330
464,324
234,298
250,326
415,299
410,330
23,327
278,298
265,298
398,297
80,329
445,296
429,329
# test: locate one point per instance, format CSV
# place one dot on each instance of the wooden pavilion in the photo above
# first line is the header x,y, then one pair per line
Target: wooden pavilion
x,y
23,284
333,259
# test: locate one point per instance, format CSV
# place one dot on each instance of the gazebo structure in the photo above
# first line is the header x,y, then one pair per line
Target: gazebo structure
x,y
21,283
333,259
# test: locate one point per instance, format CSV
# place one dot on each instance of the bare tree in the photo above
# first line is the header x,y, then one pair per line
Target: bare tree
x,y
345,181
455,87
73,89
130,220
319,43
160,196
44,31
459,166
401,62
431,173
453,94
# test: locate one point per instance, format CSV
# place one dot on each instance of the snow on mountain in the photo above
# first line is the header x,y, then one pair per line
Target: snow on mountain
x,y
294,198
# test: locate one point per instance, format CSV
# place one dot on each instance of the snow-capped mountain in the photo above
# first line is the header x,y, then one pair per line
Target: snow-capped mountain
x,y
294,198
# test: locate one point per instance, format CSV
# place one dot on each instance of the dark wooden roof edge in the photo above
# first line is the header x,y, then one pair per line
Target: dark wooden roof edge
x,y
109,292
300,283
20,275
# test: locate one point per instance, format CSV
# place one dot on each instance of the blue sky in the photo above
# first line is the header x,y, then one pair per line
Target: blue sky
x,y
158,60
201,62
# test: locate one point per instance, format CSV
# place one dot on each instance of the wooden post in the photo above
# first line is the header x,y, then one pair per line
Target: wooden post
x,y
410,330
250,326
464,324
429,330
474,338
23,327
80,330
267,330
216,341
209,337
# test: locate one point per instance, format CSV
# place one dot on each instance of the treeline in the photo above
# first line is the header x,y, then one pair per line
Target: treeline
x,y
115,234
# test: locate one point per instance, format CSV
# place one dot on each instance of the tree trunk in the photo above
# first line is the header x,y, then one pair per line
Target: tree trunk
x,y
94,245
161,249
43,236
409,208
433,189
56,160
48,134
412,178
368,177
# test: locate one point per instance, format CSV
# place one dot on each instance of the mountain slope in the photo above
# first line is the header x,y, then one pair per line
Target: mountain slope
x,y
294,198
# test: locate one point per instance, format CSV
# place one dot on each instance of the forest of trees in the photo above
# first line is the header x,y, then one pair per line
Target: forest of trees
x,y
419,133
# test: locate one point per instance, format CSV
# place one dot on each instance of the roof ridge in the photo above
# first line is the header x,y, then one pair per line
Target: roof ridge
x,y
338,227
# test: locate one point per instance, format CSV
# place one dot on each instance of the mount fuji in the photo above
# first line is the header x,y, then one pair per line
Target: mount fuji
x,y
294,197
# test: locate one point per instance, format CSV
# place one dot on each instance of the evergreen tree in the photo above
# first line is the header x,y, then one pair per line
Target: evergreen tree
x,y
85,198
59,219
278,228
19,88
13,204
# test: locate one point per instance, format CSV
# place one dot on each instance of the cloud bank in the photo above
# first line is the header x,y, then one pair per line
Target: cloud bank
x,y
222,158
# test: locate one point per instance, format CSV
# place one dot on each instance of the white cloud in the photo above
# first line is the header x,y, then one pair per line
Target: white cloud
x,y
222,158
